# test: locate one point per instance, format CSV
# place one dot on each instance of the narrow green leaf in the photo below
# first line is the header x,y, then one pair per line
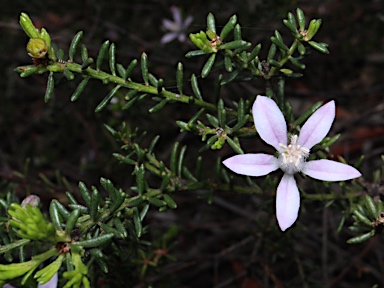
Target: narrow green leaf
x,y
107,99
230,78
156,202
140,179
94,207
135,201
254,53
72,220
68,74
271,52
211,23
152,80
322,47
158,106
174,157
274,63
301,48
212,120
228,63
160,85
28,27
237,32
371,207
236,44
62,210
170,202
228,27
109,187
195,87
144,67
180,160
208,66
221,113
50,87
71,197
28,72
83,209
300,18
80,89
102,52
144,212
234,146
16,244
85,193
362,218
95,242
291,19
112,58
131,67
137,222
279,43
74,44
296,62
361,238
84,53
290,27
307,113
55,216
195,53
120,227
179,78
121,70
117,202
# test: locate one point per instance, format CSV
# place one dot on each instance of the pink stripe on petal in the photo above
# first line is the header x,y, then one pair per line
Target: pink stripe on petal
x,y
252,164
287,202
269,122
328,170
317,126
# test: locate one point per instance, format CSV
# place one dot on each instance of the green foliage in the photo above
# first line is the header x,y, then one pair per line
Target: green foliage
x,y
114,219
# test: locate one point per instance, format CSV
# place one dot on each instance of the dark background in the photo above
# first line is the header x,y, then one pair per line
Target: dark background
x,y
219,245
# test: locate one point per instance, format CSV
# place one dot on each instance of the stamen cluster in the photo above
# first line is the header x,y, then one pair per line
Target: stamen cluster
x,y
293,156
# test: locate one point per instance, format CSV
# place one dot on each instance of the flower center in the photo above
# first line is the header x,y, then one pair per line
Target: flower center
x,y
292,158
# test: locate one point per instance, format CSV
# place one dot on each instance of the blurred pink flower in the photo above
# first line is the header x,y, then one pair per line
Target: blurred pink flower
x,y
272,128
177,28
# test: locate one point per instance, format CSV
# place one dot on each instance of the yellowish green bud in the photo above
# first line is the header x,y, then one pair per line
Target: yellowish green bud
x,y
37,48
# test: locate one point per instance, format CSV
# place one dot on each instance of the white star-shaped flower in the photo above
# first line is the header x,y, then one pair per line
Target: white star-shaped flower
x,y
177,28
272,128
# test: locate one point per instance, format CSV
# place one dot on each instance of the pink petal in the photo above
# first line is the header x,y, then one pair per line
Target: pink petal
x,y
269,122
317,126
170,25
287,202
181,37
177,15
187,22
168,38
252,164
329,170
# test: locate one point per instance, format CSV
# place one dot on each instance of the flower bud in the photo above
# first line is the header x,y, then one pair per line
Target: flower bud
x,y
37,48
32,200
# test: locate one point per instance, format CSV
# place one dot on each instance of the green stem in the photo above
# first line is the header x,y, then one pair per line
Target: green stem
x,y
105,77
283,60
